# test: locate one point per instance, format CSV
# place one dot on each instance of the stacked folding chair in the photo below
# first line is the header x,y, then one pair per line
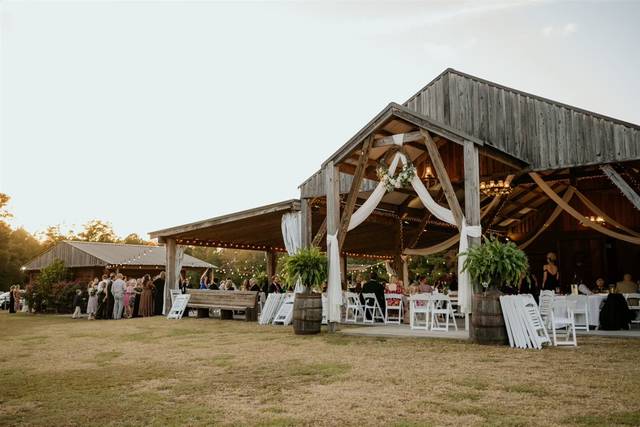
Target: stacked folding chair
x,y
524,324
270,308
284,315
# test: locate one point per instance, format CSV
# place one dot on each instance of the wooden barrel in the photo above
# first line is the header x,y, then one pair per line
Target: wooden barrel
x,y
487,323
307,314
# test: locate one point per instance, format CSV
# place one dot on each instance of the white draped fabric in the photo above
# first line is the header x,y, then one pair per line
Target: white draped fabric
x,y
621,184
291,225
440,212
334,287
372,202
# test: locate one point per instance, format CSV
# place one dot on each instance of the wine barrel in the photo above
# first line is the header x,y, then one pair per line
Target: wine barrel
x,y
307,314
487,323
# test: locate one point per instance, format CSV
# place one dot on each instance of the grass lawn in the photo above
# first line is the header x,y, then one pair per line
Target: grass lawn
x,y
59,371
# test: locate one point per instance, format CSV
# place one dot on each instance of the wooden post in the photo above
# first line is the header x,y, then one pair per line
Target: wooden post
x,y
472,188
332,186
305,226
343,271
471,196
171,266
272,264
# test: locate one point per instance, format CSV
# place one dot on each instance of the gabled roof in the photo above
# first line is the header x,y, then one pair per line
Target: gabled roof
x,y
87,254
544,133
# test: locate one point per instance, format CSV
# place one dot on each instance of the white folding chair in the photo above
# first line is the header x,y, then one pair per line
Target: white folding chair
x,y
546,306
563,321
419,304
285,313
354,309
371,308
441,307
580,311
535,326
395,308
633,301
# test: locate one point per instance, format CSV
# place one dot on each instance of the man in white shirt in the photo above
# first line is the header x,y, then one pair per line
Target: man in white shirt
x,y
117,290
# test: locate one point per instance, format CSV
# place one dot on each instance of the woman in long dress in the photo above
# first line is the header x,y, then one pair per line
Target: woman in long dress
x,y
146,300
136,298
12,299
92,304
551,274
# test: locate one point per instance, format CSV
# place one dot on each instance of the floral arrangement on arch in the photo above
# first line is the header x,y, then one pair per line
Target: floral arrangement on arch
x,y
401,180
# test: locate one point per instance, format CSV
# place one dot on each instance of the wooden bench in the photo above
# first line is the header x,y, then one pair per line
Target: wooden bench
x,y
226,301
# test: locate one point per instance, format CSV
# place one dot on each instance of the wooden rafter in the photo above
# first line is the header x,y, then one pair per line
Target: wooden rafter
x,y
353,192
443,177
320,234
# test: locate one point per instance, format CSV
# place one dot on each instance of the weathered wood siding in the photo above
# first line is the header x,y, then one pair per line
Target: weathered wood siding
x,y
71,256
315,186
546,134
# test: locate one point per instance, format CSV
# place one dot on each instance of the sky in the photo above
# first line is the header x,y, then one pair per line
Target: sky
x,y
151,114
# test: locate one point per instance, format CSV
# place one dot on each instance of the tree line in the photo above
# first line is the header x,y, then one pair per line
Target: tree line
x,y
18,246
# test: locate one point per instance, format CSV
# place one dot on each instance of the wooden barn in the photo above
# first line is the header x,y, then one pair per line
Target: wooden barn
x,y
549,176
87,260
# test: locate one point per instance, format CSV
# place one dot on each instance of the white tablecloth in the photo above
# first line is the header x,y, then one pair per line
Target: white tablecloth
x,y
594,301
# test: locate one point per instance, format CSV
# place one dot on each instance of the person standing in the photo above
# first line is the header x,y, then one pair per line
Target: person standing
x,y
137,295
117,290
77,303
158,301
146,299
108,312
12,299
92,304
204,280
551,274
129,295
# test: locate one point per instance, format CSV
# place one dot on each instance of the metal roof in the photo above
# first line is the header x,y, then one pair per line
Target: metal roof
x,y
87,254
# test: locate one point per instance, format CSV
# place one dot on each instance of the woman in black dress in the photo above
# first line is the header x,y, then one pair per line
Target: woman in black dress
x,y
551,275
12,299
110,301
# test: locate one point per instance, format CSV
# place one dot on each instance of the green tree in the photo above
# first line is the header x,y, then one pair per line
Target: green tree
x,y
98,231
54,234
16,248
4,200
134,239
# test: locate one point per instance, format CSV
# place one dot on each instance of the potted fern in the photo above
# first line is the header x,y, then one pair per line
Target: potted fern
x,y
491,266
309,268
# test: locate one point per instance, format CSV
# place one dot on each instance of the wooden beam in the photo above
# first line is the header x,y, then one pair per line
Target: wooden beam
x,y
472,188
355,189
170,269
272,265
443,177
306,219
402,137
320,234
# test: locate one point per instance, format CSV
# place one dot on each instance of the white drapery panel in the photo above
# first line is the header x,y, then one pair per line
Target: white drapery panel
x,y
622,185
334,287
291,232
444,214
446,244
291,225
372,202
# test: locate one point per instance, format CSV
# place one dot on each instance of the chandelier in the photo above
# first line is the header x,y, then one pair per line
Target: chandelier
x,y
597,219
493,188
